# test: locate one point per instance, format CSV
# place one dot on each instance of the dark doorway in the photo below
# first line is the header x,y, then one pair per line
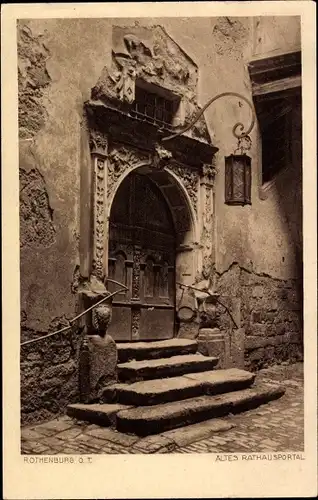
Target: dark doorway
x,y
142,256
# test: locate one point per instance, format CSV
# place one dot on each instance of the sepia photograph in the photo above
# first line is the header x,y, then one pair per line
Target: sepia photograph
x,y
161,256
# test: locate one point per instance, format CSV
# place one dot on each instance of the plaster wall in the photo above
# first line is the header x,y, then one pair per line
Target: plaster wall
x,y
276,35
59,63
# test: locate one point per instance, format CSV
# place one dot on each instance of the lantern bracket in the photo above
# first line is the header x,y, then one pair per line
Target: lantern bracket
x,y
244,144
238,134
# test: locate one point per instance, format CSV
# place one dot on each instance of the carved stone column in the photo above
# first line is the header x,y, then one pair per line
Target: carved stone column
x,y
99,151
207,217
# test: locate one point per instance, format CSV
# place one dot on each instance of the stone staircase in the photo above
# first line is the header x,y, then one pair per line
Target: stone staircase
x,y
168,384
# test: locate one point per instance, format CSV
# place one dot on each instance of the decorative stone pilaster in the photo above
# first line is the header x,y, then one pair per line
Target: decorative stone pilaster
x,y
208,173
99,150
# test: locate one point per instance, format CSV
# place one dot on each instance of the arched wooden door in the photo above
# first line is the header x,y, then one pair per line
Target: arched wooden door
x,y
142,256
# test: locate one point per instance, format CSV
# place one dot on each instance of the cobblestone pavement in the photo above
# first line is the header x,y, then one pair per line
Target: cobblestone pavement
x,y
276,426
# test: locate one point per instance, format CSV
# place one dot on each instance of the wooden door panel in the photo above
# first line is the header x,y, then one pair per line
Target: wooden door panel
x,y
120,326
142,256
156,323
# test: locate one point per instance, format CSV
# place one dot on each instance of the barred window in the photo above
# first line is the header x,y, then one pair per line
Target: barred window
x,y
156,108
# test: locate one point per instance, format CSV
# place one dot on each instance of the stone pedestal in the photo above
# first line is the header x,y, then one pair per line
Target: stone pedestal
x,y
211,343
97,366
98,353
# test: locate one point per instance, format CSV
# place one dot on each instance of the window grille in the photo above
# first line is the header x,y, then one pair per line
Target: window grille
x,y
155,108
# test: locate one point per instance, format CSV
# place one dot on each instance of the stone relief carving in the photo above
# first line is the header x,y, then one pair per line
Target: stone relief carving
x,y
101,318
150,54
208,205
208,173
199,129
123,78
136,274
207,269
207,230
99,216
190,179
207,266
161,157
98,142
135,319
119,160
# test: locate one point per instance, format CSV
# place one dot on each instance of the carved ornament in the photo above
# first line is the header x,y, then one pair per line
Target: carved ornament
x,y
189,179
149,54
161,157
99,218
208,205
136,274
98,142
123,79
120,160
101,318
135,320
208,173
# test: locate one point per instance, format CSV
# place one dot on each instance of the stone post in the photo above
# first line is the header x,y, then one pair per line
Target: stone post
x,y
98,353
237,335
211,339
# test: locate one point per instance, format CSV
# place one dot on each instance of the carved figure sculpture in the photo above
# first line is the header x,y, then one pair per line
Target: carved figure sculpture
x,y
204,289
98,356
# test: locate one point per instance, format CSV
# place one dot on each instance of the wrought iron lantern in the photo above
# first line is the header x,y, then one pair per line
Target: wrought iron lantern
x,y
238,180
238,175
238,166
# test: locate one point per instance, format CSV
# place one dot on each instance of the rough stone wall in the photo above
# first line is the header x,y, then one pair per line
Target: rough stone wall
x,y
268,312
49,374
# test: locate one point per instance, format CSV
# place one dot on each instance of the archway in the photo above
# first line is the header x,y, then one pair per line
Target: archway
x,y
149,224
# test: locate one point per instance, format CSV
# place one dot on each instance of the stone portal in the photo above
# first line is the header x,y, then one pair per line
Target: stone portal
x,y
147,216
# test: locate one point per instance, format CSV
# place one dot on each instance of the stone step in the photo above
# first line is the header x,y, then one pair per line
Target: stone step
x,y
153,350
100,414
147,420
164,367
153,392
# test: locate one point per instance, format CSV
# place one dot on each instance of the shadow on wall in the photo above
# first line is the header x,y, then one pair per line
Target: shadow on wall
x,y
290,193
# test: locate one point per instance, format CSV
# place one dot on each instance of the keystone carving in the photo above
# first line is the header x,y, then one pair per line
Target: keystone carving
x,y
161,157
